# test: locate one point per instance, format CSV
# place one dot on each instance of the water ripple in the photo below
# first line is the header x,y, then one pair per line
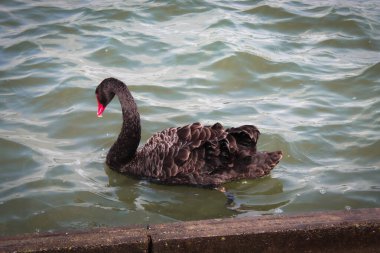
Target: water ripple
x,y
306,73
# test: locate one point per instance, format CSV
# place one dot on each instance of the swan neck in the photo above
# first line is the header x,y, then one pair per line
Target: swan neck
x,y
124,149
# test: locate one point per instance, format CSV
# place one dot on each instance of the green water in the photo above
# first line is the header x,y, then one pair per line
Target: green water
x,y
307,74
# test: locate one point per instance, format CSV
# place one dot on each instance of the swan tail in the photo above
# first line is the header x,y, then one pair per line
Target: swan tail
x,y
260,164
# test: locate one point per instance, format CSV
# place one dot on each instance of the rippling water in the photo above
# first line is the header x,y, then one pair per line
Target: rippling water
x,y
307,73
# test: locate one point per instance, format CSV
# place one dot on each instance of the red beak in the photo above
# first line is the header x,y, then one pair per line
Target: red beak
x,y
101,109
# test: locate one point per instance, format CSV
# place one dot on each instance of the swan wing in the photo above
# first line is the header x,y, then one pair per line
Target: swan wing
x,y
208,149
190,152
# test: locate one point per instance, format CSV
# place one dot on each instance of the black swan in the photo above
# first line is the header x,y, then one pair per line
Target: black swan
x,y
193,154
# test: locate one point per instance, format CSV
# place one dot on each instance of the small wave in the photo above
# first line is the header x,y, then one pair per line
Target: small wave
x,y
216,46
109,56
244,63
371,72
342,42
269,12
165,12
222,23
26,47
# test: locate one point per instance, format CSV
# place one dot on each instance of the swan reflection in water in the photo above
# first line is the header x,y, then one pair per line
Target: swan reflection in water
x,y
181,203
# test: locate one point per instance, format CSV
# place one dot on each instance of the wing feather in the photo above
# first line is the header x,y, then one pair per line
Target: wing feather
x,y
196,149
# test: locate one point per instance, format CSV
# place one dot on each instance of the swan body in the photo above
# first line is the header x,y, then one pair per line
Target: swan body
x,y
193,154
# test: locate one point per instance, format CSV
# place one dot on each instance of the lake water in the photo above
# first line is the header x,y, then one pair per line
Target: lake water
x,y
306,73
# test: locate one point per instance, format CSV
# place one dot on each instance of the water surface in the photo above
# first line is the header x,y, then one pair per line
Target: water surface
x,y
306,73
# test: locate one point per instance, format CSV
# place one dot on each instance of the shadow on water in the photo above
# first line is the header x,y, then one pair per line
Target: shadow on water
x,y
188,203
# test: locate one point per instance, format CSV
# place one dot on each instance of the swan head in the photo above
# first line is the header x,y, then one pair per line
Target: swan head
x,y
105,93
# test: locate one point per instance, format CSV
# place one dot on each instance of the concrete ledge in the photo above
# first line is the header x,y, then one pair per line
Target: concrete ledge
x,y
336,231
131,239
